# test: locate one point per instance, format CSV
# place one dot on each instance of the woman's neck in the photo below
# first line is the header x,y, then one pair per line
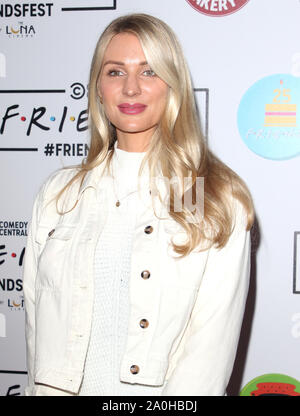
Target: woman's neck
x,y
137,142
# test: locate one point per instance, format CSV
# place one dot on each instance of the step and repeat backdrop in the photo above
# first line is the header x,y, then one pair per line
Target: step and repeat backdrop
x,y
244,58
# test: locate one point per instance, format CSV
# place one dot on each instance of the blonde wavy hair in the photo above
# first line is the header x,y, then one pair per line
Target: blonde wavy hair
x,y
177,145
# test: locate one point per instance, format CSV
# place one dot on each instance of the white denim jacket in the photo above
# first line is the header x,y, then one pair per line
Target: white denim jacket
x,y
194,306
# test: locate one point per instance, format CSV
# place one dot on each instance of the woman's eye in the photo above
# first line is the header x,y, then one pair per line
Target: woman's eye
x,y
149,72
115,73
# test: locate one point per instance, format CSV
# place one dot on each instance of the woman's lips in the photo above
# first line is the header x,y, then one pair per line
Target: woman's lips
x,y
127,108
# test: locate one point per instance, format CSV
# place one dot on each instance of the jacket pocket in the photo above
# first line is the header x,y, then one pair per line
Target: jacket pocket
x,y
60,232
54,266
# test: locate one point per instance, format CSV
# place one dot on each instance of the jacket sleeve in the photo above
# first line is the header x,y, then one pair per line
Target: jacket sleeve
x,y
29,275
207,356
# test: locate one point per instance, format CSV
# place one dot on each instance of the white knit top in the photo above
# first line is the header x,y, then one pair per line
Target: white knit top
x,y
111,300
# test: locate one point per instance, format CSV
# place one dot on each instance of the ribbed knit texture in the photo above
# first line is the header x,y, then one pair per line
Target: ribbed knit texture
x,y
111,301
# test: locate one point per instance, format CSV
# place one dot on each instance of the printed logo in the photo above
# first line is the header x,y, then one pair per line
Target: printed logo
x,y
272,385
58,118
19,30
16,305
268,117
217,7
13,228
40,118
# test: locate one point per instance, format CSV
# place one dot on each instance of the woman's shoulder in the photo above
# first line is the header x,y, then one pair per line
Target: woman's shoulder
x,y
54,183
59,178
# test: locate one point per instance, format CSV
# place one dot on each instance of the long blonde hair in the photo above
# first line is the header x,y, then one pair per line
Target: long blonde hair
x,y
178,144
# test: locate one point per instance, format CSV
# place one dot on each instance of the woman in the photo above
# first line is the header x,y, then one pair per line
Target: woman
x,y
125,294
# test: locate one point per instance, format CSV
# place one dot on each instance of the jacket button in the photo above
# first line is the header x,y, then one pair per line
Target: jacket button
x,y
145,274
134,369
51,232
148,229
144,323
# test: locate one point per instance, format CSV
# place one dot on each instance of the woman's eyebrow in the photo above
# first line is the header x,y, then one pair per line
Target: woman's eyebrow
x,y
122,63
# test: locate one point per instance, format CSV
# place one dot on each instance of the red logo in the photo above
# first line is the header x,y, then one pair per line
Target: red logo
x,y
275,389
217,7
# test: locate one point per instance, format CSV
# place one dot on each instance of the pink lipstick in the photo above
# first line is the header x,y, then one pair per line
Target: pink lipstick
x,y
127,108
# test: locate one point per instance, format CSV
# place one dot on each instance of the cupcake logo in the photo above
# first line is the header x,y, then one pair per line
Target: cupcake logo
x,y
272,385
281,113
268,117
217,8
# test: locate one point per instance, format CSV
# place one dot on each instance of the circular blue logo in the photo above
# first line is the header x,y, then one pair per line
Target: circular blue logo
x,y
269,117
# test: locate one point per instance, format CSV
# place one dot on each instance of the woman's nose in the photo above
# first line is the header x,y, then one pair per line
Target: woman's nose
x,y
131,85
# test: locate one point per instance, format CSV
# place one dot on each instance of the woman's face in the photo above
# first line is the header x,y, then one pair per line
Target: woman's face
x,y
134,97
